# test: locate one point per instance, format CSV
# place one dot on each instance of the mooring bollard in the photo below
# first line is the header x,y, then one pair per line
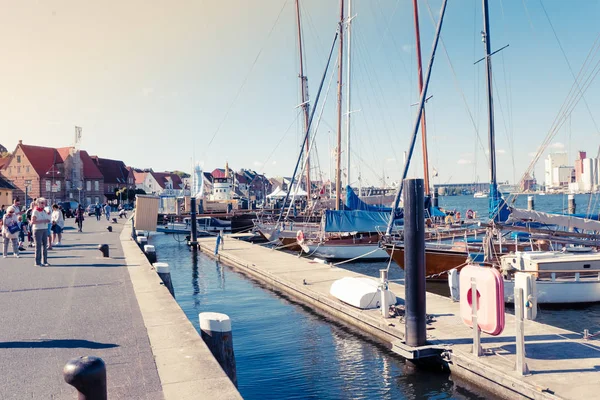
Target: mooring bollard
x,y
162,269
88,376
385,306
434,198
530,203
414,263
215,329
103,249
109,228
572,207
140,233
194,241
150,252
142,241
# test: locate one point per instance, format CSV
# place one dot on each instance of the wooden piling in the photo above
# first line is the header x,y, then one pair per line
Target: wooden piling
x,y
162,269
215,329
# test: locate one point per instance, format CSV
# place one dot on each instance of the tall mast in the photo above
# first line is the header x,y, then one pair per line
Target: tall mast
x,y
423,126
494,199
348,66
304,91
338,175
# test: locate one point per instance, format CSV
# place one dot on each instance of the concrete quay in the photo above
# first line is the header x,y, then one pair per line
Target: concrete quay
x,y
563,365
114,308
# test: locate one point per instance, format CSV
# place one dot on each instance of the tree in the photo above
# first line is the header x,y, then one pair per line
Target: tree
x,y
181,174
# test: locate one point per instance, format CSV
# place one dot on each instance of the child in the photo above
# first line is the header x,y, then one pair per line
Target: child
x,y
22,230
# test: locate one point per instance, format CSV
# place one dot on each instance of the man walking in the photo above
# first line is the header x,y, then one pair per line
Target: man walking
x,y
98,211
107,211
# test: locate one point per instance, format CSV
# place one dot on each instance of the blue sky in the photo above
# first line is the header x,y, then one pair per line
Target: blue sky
x,y
152,82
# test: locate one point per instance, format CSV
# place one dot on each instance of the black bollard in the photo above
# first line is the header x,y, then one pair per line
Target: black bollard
x,y
109,228
414,262
150,252
194,240
114,221
434,198
88,376
215,330
104,249
162,269
571,203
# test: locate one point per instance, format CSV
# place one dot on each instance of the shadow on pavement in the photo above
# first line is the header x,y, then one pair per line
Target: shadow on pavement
x,y
57,343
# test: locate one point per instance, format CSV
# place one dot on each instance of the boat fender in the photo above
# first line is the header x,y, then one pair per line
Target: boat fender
x,y
470,214
453,283
300,237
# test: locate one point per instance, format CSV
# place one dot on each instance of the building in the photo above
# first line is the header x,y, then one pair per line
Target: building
x,y
6,192
528,183
589,175
79,167
581,155
116,177
258,185
557,172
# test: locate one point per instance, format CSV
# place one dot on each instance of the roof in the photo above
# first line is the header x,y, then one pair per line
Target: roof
x,y
218,173
4,161
114,171
139,177
163,177
208,176
241,178
42,159
90,170
4,184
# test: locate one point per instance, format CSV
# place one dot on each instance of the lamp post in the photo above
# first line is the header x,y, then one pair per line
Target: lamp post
x,y
79,188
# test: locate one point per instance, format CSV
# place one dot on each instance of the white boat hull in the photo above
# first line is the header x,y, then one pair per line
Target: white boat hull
x,y
346,252
586,290
363,293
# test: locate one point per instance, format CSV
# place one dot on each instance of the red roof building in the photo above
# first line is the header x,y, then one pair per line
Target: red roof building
x,y
116,176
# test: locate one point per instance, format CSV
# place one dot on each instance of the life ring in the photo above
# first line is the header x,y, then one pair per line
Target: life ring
x,y
470,214
300,237
458,215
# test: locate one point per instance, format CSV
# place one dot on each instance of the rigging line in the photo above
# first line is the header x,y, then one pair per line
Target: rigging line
x,y
283,137
237,95
387,29
506,132
529,19
568,64
457,85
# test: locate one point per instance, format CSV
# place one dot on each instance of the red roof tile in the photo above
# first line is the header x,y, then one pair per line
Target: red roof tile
x,y
114,171
163,177
4,161
90,170
42,159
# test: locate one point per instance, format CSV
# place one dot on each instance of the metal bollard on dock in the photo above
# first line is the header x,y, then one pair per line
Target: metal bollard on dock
x,y
215,329
162,269
572,207
88,376
150,252
194,228
104,250
142,241
414,262
530,203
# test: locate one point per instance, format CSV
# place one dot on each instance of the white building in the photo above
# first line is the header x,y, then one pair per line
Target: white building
x,y
557,171
589,175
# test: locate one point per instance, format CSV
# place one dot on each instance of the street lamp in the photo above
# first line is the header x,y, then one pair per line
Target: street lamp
x,y
79,188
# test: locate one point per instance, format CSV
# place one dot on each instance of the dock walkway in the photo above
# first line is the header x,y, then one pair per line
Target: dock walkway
x,y
563,365
80,305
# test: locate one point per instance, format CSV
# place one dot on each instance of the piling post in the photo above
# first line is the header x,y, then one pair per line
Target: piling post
x,y
215,329
434,198
385,306
414,262
162,269
142,241
88,376
571,202
194,240
521,364
150,252
530,203
104,250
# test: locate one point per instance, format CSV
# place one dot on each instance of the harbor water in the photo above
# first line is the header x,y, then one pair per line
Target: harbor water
x,y
284,350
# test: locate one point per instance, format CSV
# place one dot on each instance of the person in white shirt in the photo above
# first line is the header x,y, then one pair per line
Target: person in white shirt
x,y
10,231
58,224
39,221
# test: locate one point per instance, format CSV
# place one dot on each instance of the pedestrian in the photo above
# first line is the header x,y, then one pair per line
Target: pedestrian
x,y
58,223
10,231
39,221
49,226
2,211
98,211
17,205
79,213
28,214
23,228
107,211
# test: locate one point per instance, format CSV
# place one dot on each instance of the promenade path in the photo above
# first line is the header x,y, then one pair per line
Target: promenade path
x,y
80,305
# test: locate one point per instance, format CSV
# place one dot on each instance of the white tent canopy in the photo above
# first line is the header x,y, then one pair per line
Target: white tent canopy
x,y
277,194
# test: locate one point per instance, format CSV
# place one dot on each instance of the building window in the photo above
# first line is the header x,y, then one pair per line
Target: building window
x,y
19,159
27,169
48,186
58,186
71,195
88,185
68,185
97,200
96,185
88,200
18,170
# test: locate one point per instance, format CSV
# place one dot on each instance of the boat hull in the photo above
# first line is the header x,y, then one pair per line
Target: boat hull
x,y
437,261
560,292
363,252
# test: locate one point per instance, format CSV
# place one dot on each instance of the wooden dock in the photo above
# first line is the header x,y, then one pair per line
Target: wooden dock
x,y
563,365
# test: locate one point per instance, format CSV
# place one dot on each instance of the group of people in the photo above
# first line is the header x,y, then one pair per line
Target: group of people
x,y
43,226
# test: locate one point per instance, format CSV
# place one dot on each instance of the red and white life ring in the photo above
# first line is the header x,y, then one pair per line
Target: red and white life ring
x,y
300,237
470,214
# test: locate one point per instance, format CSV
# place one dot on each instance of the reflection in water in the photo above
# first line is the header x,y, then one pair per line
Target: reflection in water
x,y
284,350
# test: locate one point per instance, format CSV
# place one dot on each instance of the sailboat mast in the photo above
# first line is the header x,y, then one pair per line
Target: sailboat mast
x,y
305,105
423,126
338,175
494,195
348,66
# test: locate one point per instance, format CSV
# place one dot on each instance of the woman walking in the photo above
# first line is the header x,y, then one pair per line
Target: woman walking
x,y
58,223
39,221
10,231
79,217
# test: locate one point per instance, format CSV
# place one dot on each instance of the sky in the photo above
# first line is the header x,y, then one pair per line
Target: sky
x,y
163,84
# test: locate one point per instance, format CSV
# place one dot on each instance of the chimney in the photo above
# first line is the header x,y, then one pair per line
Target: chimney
x,y
20,141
